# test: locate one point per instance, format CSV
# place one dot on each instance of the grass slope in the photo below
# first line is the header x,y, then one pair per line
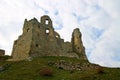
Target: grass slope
x,y
30,70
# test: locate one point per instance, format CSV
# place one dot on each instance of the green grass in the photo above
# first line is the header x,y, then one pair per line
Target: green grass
x,y
29,70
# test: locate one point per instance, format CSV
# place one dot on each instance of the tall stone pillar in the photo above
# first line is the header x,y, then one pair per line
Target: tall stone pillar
x,y
77,44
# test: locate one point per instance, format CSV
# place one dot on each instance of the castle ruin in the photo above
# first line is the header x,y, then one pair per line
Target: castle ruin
x,y
2,52
40,39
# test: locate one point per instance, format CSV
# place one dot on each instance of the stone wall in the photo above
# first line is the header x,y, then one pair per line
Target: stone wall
x,y
2,52
40,39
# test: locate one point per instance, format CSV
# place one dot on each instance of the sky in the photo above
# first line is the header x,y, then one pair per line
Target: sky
x,y
98,20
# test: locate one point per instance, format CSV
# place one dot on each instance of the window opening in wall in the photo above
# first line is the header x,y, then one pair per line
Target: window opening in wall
x,y
47,31
37,45
56,36
46,21
28,30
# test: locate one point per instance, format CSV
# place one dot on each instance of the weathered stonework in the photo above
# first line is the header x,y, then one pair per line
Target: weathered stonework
x,y
2,52
40,39
77,45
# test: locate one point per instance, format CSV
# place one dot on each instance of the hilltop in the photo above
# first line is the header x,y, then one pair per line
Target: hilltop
x,y
47,68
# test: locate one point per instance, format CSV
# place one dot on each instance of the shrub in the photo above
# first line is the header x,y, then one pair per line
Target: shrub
x,y
46,71
100,70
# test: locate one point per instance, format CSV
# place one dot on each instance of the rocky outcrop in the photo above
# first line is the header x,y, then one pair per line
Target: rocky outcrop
x,y
72,66
40,39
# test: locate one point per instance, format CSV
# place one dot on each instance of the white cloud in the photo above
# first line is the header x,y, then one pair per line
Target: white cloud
x,y
98,21
107,50
111,6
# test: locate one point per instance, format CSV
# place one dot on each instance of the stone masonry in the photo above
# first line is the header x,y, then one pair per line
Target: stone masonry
x,y
2,52
40,39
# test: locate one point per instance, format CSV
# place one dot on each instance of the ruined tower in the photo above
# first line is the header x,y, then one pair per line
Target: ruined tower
x,y
77,44
40,39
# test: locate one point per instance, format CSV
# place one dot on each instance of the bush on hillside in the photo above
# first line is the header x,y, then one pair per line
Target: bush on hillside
x,y
100,70
46,71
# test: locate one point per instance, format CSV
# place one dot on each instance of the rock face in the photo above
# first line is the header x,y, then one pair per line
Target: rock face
x,y
40,39
2,52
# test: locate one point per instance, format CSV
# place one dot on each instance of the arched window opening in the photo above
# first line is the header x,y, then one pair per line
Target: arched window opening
x,y
57,36
47,31
46,21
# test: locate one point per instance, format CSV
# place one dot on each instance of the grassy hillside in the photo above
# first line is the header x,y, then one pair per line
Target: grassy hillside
x,y
39,69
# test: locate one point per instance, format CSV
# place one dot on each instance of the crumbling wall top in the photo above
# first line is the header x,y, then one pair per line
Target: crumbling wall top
x,y
77,32
46,20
